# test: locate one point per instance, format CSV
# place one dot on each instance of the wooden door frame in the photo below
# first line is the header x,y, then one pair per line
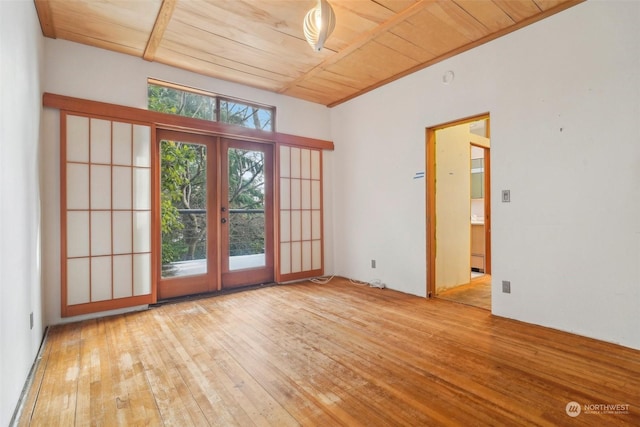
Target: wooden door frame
x,y
430,187
487,204
217,277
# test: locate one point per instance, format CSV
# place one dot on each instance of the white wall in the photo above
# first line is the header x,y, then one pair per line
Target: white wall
x,y
99,75
564,99
20,108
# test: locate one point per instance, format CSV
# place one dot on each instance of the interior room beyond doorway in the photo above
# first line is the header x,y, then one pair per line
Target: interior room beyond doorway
x,y
461,244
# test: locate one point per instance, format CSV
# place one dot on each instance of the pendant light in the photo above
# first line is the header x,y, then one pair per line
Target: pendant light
x,y
318,24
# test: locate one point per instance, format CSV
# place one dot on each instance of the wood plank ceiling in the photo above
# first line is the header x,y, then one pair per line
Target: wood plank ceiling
x,y
260,43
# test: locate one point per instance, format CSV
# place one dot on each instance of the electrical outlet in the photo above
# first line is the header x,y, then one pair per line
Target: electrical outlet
x,y
31,320
506,287
373,263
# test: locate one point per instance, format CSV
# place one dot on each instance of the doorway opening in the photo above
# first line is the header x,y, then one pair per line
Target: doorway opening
x,y
459,211
216,213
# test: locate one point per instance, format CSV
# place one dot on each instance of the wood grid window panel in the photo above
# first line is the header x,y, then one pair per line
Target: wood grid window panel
x,y
121,185
77,279
141,274
296,225
316,230
305,193
305,225
101,278
285,226
296,204
122,276
141,189
142,231
294,157
100,141
77,186
315,195
77,234
285,193
315,166
106,214
285,162
122,236
306,255
141,146
121,144
316,254
300,237
100,233
77,139
285,258
296,257
100,187
305,159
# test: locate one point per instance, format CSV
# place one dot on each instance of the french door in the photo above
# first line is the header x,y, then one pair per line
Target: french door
x,y
246,213
216,213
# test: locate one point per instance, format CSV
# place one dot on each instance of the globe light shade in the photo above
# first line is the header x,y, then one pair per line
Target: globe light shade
x,y
319,24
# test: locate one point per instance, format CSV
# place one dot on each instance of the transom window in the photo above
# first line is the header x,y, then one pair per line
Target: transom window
x,y
188,102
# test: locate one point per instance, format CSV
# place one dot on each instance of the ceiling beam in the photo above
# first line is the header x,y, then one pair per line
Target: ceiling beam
x,y
361,41
43,7
162,21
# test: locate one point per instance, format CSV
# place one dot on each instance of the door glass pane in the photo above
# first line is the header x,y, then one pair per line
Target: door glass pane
x,y
246,206
184,208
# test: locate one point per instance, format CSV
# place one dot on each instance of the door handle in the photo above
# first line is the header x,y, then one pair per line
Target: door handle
x,y
223,220
223,209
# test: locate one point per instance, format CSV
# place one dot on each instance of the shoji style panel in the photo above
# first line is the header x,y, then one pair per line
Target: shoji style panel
x,y
106,179
300,245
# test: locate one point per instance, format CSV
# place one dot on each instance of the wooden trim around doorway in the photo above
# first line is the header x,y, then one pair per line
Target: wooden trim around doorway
x,y
430,188
487,210
431,212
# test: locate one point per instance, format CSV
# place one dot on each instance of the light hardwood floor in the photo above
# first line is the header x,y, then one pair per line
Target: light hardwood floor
x,y
476,293
325,355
